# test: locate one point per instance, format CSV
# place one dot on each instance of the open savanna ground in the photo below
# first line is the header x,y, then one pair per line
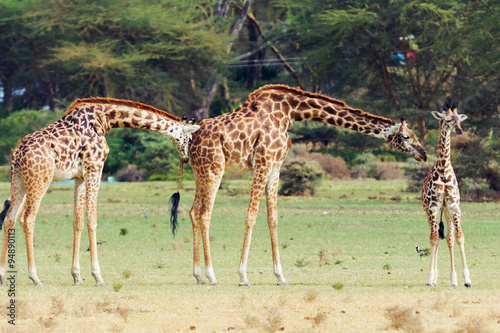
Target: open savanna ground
x,y
348,253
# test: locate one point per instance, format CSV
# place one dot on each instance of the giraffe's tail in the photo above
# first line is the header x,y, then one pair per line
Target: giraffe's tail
x,y
441,228
3,214
174,203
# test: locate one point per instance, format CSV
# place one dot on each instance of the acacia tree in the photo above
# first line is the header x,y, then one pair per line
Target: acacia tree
x,y
138,50
351,45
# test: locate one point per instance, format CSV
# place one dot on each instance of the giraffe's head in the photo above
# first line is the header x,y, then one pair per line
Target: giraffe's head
x,y
449,118
181,138
405,140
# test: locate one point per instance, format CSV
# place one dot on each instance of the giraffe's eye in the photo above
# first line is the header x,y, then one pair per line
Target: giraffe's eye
x,y
406,137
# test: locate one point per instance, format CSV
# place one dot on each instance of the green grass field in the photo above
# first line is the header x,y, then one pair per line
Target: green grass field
x,y
348,253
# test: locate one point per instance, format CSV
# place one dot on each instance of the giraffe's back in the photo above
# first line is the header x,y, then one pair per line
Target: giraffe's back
x,y
253,133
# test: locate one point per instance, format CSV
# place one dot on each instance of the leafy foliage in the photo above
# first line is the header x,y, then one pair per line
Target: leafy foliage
x,y
17,125
300,177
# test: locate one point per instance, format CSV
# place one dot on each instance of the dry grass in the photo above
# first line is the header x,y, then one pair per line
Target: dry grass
x,y
156,291
402,318
474,324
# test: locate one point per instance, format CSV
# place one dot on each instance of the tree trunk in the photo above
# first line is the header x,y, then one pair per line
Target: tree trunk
x,y
254,61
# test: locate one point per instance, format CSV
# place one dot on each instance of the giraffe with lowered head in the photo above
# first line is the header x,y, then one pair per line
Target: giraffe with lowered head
x,y
75,147
440,194
254,137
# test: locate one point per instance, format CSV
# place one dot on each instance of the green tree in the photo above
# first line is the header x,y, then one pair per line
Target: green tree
x,y
350,46
150,52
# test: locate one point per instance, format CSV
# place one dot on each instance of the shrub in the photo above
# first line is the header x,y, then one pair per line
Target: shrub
x,y
415,172
300,177
365,164
473,189
130,174
336,167
386,170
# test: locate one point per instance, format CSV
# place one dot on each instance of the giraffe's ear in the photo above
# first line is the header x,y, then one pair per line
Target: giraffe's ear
x,y
462,117
190,128
436,115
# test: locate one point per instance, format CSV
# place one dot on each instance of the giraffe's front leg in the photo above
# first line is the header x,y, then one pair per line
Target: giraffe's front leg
x,y
207,184
261,177
434,240
78,219
272,222
92,183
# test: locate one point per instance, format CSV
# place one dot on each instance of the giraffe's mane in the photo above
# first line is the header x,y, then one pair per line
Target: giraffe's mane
x,y
299,91
120,102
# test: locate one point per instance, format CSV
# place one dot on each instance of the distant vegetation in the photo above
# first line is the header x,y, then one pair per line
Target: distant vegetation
x,y
203,58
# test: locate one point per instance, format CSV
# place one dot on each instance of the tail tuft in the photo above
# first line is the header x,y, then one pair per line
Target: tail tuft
x,y
174,206
3,214
441,230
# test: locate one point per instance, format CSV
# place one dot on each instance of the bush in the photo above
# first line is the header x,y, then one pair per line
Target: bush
x,y
336,167
416,172
300,177
386,170
473,189
369,166
130,174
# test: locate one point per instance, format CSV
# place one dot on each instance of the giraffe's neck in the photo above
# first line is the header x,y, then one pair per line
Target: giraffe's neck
x,y
107,114
444,160
340,114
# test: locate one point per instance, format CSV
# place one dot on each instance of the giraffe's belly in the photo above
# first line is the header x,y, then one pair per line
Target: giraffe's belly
x,y
61,174
233,167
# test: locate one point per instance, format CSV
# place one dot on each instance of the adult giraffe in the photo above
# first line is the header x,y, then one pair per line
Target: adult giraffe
x,y
75,147
254,137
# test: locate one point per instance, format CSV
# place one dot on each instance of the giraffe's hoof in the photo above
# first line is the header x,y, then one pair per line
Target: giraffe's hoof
x,y
429,284
215,283
283,283
245,284
38,284
78,283
468,285
100,284
201,282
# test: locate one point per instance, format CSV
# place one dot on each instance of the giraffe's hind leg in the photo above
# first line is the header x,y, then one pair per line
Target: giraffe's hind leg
x,y
78,219
207,184
27,221
195,216
460,241
272,222
450,240
92,184
261,178
17,198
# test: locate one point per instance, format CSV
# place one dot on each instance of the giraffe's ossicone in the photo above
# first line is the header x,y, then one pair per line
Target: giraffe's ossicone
x,y
440,196
74,147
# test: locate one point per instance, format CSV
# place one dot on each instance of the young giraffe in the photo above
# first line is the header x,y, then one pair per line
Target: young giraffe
x,y
254,137
75,147
440,195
